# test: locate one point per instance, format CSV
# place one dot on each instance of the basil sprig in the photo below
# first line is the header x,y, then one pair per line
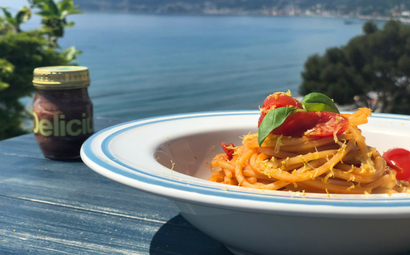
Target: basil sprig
x,y
276,117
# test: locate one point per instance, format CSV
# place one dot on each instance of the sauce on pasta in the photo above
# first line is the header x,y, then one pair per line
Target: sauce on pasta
x,y
338,163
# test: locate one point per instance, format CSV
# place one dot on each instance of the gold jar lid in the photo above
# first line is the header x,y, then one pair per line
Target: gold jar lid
x,y
61,77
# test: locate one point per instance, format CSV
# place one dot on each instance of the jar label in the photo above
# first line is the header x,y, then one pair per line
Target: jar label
x,y
62,127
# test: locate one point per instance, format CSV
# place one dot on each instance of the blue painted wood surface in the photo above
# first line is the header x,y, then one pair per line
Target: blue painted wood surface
x,y
55,207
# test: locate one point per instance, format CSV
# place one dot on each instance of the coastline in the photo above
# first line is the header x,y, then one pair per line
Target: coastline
x,y
251,14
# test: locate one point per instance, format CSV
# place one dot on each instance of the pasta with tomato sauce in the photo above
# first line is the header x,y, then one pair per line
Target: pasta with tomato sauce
x,y
326,155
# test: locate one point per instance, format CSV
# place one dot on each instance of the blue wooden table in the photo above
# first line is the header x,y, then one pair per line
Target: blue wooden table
x,y
55,207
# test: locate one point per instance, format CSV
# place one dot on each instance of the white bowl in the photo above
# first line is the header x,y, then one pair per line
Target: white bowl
x,y
167,156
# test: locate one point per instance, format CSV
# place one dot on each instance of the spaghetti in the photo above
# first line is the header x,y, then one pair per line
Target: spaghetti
x,y
341,164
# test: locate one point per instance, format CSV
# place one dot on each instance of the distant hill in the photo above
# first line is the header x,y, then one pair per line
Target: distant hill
x,y
264,7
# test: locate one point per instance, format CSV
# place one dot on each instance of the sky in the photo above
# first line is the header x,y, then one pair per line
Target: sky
x,y
13,4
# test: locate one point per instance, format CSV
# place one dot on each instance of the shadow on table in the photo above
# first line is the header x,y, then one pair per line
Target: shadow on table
x,y
178,236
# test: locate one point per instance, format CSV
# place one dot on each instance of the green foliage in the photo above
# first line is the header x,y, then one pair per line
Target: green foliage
x,y
54,17
22,16
375,65
370,28
20,53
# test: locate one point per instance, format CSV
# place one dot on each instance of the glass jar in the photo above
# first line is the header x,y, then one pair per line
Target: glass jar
x,y
62,110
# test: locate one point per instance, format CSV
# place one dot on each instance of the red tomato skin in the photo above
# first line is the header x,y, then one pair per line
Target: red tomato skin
x,y
228,152
329,122
277,100
313,124
263,114
399,160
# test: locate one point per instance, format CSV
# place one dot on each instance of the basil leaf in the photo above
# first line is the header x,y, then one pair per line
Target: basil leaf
x,y
319,102
272,120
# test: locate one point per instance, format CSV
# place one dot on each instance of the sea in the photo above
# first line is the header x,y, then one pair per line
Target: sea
x,y
151,65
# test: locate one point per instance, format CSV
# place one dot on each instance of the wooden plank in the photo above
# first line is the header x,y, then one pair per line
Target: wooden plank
x,y
50,203
35,178
26,145
74,184
28,227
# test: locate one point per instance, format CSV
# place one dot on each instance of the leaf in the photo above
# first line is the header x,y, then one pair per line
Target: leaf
x,y
319,102
53,7
6,13
3,85
71,24
6,68
46,15
73,11
65,4
272,120
37,3
63,14
23,15
71,53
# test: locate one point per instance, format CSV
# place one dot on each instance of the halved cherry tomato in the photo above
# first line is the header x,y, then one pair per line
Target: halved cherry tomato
x,y
277,100
313,124
280,99
399,159
229,152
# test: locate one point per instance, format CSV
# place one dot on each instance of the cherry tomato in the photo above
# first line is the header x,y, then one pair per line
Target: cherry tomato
x,y
277,100
399,159
229,152
280,99
313,124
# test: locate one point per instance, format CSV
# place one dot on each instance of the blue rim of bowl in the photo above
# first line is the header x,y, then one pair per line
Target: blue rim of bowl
x,y
156,180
